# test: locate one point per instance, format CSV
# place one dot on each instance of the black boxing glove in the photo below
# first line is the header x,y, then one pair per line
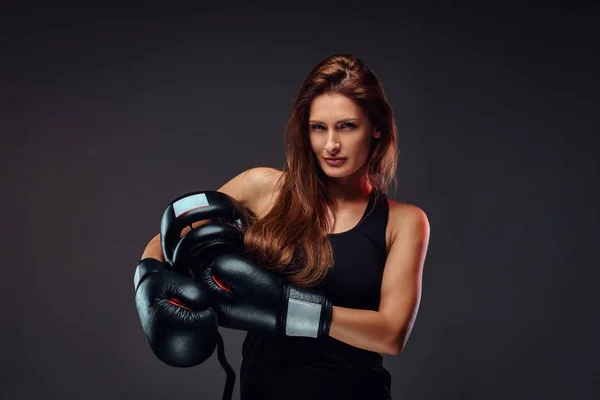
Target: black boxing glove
x,y
245,296
248,297
197,206
180,327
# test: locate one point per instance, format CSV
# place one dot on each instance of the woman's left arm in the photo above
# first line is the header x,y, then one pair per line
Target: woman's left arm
x,y
387,330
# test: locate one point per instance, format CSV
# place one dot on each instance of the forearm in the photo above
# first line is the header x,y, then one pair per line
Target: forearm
x,y
365,329
154,250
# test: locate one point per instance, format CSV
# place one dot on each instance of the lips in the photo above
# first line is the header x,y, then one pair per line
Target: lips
x,y
335,162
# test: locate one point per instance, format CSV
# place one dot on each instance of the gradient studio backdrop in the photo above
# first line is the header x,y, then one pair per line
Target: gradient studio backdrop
x,y
108,114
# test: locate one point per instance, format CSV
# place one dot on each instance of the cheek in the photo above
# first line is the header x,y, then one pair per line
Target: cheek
x,y
315,143
362,146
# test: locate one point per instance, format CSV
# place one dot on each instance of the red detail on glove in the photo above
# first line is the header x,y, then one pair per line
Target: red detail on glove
x,y
219,284
178,303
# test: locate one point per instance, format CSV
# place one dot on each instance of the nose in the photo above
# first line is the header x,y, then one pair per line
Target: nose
x,y
333,145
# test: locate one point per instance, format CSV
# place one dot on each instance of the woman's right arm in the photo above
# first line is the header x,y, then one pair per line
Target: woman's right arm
x,y
154,249
246,188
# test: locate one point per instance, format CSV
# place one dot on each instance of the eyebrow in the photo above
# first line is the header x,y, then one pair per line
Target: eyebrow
x,y
314,121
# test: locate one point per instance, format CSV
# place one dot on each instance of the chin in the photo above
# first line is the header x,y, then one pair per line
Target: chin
x,y
336,172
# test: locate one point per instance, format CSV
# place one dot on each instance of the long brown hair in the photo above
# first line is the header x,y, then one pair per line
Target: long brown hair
x,y
292,238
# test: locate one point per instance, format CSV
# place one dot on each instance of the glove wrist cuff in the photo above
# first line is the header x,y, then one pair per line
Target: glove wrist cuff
x,y
306,313
144,268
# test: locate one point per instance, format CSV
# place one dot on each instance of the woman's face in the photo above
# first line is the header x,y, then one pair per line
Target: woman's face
x,y
339,129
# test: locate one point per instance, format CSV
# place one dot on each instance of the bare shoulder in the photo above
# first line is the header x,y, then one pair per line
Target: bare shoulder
x,y
265,176
407,220
251,185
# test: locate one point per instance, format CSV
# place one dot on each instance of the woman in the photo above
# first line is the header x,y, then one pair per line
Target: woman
x,y
325,224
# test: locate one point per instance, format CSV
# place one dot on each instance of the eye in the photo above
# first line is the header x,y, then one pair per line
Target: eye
x,y
348,125
316,127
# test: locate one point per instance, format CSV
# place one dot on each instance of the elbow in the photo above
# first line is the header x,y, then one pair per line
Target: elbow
x,y
394,349
397,343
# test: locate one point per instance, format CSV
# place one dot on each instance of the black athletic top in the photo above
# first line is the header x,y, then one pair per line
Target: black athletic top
x,y
282,367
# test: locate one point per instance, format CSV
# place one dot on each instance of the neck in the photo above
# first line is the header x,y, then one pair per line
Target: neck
x,y
350,188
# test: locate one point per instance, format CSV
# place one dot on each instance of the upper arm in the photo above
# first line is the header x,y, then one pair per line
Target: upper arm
x,y
249,185
402,276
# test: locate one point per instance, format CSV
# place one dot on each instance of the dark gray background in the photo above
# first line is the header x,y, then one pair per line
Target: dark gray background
x,y
109,113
